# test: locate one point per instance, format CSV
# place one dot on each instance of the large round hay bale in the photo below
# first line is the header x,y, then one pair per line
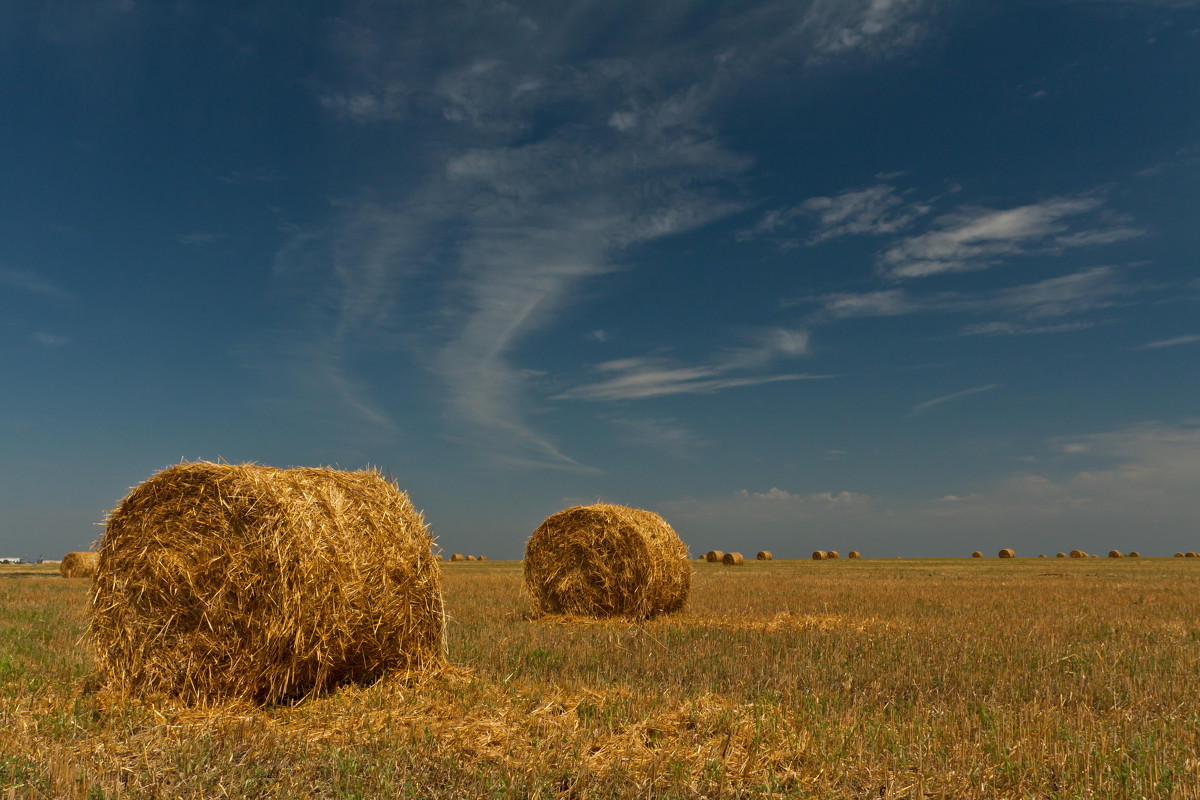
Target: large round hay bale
x,y
764,555
605,561
1115,554
1007,553
1078,554
854,554
220,582
733,560
819,555
977,554
714,556
79,565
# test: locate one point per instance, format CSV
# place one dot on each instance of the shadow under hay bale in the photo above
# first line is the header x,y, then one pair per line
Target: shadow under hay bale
x,y
1007,553
714,556
606,561
239,582
733,560
79,565
764,555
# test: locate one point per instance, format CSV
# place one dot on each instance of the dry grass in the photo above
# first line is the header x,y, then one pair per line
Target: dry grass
x,y
220,582
606,560
885,679
79,565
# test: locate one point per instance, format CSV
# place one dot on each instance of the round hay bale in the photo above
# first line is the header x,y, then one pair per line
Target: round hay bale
x,y
977,554
733,560
440,557
483,558
819,555
1179,555
1078,554
1007,553
240,582
833,554
606,561
470,558
1115,554
1060,555
854,554
1191,554
456,557
79,565
1134,554
714,556
764,555
1041,555
1093,555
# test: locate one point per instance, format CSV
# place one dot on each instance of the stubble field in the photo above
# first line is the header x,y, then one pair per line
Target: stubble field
x,y
1025,678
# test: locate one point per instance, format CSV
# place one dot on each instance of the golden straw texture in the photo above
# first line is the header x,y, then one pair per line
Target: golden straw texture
x,y
239,582
606,561
79,565
733,560
714,556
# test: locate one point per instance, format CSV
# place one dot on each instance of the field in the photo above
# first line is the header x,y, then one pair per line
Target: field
x,y
1022,678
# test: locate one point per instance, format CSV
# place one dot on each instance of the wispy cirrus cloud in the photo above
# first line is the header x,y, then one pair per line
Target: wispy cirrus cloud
x,y
647,377
921,408
1173,342
1075,293
33,283
974,238
875,211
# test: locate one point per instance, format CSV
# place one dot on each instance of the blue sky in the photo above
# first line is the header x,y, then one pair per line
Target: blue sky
x,y
911,277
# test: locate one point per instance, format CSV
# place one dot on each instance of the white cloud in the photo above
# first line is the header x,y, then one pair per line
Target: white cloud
x,y
877,28
664,434
877,210
976,238
655,376
33,283
51,339
1175,342
921,408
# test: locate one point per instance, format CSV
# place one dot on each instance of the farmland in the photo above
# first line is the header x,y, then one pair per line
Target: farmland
x,y
962,678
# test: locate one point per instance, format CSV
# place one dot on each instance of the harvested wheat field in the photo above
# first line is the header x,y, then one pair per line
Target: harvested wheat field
x,y
882,678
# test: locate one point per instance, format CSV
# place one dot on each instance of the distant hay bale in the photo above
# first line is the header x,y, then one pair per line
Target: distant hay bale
x,y
764,555
79,565
733,560
1179,555
1134,554
483,558
1191,554
1078,554
833,554
1060,555
1115,554
977,554
440,557
456,557
819,555
470,558
239,582
854,554
714,556
607,561
1041,555
1093,555
1007,553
